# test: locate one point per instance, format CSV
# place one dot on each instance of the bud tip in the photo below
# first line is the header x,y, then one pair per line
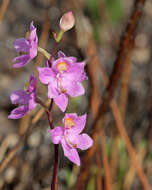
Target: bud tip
x,y
67,21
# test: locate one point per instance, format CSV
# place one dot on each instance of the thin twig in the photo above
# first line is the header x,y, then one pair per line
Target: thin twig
x,y
99,176
114,161
122,106
24,124
3,8
39,101
130,174
106,166
125,85
92,68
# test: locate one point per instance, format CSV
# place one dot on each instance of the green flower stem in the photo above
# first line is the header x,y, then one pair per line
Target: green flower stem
x,y
44,52
59,36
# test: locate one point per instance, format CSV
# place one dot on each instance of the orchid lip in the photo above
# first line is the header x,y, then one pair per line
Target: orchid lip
x,y
62,66
62,90
70,143
69,123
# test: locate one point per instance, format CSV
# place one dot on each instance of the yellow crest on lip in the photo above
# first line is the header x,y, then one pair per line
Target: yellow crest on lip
x,y
62,66
69,123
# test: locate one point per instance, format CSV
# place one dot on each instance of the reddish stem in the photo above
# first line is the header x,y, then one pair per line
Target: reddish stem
x,y
52,54
56,149
56,146
55,169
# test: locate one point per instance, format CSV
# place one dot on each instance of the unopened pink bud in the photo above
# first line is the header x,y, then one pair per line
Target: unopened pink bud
x,y
67,21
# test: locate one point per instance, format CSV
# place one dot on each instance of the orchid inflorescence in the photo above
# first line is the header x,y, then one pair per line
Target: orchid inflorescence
x,y
64,77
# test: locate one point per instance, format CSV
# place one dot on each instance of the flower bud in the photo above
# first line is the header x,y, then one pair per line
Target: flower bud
x,y
67,21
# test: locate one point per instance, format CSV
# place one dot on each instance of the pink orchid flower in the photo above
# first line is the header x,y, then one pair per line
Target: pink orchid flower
x,y
70,138
27,46
26,99
63,78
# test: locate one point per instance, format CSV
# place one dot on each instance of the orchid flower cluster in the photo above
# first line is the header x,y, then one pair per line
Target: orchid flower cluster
x,y
63,77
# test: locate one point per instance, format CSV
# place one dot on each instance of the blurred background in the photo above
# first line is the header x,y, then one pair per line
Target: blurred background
x,y
26,152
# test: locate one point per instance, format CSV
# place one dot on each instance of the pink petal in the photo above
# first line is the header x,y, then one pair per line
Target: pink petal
x,y
55,63
84,141
80,122
32,27
19,96
21,61
52,89
72,59
21,45
61,59
61,101
33,50
74,89
32,85
33,39
69,115
70,83
61,54
18,112
76,72
70,153
32,101
45,74
57,134
33,35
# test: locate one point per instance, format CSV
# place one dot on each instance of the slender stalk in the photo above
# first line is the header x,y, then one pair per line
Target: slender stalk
x,y
55,169
99,177
59,36
39,101
56,149
3,8
44,52
106,166
52,54
49,113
